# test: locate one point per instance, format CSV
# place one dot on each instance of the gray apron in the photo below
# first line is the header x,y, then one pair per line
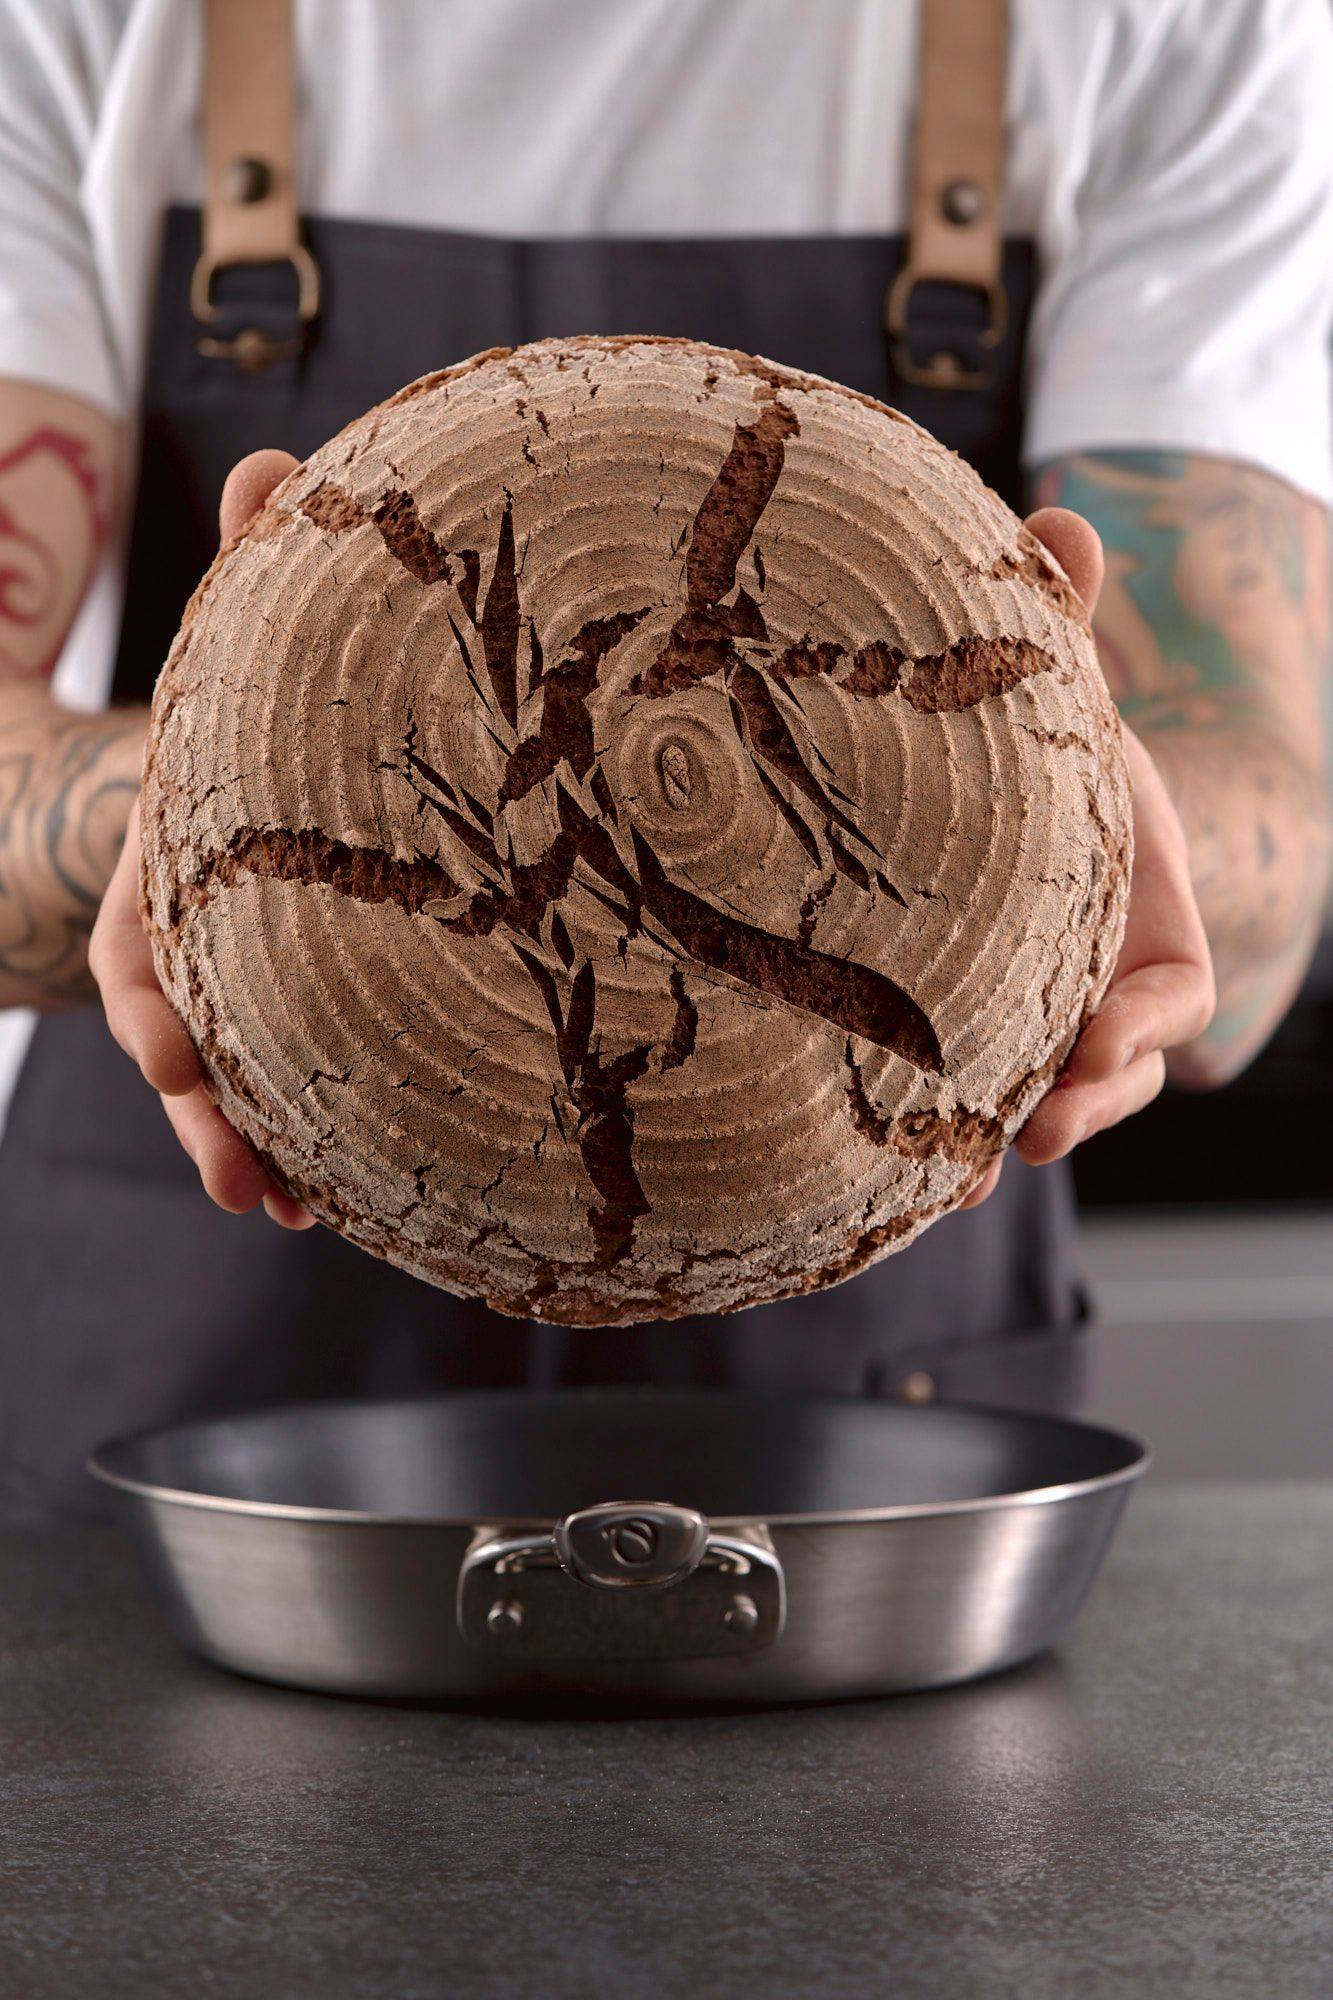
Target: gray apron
x,y
126,1298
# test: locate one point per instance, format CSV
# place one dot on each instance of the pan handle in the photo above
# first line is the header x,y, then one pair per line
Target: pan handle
x,y
656,1582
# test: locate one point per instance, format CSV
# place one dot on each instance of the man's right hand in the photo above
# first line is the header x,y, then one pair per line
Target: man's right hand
x,y
138,1012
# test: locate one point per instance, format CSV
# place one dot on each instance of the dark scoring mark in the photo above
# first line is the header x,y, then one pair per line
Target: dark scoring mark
x,y
432,776
499,621
972,670
404,534
807,658
288,854
876,669
810,908
565,731
601,791
789,813
850,864
869,1121
1057,739
477,810
679,1044
333,508
470,579
561,939
969,671
967,1137
729,512
605,1134
478,842
772,740
855,997
701,640
534,886
472,837
595,846
1035,566
409,540
699,645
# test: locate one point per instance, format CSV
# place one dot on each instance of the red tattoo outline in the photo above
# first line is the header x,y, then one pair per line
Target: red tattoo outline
x,y
37,573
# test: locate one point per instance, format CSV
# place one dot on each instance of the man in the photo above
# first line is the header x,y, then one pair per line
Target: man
x,y
743,173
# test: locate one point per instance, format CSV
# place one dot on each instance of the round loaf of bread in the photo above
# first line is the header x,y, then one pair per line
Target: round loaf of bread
x,y
633,830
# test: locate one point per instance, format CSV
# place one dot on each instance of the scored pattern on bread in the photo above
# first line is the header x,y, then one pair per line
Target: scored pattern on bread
x,y
632,830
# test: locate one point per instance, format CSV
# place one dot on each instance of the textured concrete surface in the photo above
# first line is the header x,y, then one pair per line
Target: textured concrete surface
x,y
1144,1813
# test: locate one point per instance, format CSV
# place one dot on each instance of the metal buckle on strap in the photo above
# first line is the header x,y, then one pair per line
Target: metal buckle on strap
x,y
252,348
943,370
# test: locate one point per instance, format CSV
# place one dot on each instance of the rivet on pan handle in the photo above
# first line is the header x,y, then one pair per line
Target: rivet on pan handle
x,y
657,1584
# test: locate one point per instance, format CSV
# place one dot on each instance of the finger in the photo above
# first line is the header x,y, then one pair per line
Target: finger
x,y
985,1187
248,486
120,958
288,1214
1163,992
1065,1118
1164,921
1157,1007
232,1174
1076,546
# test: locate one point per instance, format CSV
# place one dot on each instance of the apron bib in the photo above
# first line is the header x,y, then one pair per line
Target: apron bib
x,y
130,1301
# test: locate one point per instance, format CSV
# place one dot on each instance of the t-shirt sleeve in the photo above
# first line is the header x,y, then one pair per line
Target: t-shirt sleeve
x,y
1191,306
53,327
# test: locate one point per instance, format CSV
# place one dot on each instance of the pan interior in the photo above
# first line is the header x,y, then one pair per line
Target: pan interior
x,y
517,1455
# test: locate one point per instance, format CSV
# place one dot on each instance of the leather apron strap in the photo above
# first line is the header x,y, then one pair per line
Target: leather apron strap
x,y
957,180
250,207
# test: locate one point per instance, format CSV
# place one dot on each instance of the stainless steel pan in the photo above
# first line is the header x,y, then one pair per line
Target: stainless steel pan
x,y
481,1544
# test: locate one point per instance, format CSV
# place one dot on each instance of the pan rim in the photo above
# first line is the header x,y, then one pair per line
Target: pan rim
x,y
285,1510
1136,1458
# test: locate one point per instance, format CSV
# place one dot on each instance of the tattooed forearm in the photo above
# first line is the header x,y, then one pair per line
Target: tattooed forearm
x,y
66,780
66,786
1213,633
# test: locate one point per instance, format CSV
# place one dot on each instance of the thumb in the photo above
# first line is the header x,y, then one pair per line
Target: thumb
x,y
248,486
1076,546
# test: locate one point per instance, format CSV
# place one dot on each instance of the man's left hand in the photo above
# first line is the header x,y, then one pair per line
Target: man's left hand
x,y
1161,993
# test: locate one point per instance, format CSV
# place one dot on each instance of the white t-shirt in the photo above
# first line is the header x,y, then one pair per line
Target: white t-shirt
x,y
1173,160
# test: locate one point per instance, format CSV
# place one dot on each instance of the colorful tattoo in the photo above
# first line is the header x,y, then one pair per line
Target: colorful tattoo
x,y
1213,631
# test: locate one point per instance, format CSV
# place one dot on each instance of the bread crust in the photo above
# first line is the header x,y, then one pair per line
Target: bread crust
x,y
633,830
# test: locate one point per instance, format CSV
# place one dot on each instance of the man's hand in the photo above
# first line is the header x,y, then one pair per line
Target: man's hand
x,y
1161,993
139,1014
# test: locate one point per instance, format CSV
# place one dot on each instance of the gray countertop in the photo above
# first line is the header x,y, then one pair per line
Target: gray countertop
x,y
1146,1812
